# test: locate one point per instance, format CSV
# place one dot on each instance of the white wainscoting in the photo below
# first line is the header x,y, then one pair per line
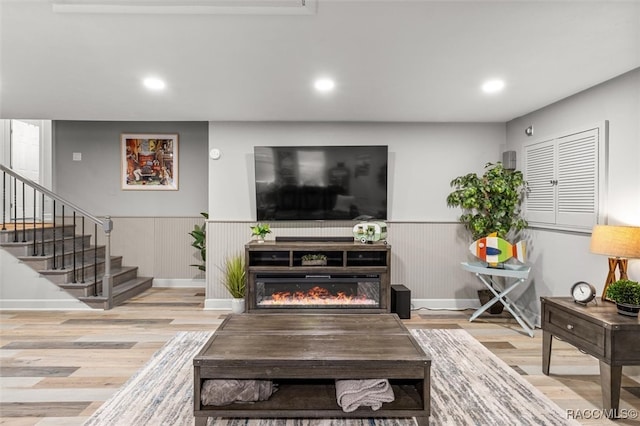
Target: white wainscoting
x,y
160,247
425,257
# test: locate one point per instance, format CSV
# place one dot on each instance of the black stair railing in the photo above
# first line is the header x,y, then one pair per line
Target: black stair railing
x,y
60,232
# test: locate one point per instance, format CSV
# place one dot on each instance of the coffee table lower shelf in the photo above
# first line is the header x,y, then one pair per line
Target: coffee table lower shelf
x,y
317,399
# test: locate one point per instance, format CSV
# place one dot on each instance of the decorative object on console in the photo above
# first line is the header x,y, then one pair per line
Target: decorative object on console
x,y
261,230
199,235
314,259
494,250
620,243
583,292
369,232
235,281
626,294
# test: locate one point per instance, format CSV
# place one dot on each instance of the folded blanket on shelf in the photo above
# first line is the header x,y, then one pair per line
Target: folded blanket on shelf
x,y
226,391
352,394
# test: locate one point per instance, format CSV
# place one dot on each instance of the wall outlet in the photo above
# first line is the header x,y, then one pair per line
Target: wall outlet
x,y
77,156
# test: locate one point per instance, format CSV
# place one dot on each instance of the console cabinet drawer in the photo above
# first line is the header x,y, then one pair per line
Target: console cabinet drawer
x,y
581,333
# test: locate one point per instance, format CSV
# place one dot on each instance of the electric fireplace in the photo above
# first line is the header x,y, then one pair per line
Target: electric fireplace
x,y
354,278
323,291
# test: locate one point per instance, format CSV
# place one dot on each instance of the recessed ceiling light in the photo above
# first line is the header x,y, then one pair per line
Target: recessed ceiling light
x,y
324,85
153,83
493,86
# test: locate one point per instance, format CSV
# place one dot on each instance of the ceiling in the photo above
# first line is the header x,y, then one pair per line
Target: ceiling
x,y
392,60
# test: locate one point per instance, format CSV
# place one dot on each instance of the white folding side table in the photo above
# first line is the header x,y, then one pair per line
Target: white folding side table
x,y
517,274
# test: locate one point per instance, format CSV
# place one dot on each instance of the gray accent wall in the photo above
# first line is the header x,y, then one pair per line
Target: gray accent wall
x,y
94,182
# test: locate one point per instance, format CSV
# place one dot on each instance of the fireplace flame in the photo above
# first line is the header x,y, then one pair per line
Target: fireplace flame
x,y
316,296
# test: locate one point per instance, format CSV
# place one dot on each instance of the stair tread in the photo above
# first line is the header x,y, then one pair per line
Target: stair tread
x,y
114,273
69,268
66,254
122,288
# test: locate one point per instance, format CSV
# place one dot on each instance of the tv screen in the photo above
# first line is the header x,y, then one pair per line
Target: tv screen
x,y
321,182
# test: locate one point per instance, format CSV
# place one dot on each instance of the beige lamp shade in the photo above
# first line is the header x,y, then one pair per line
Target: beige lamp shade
x,y
616,241
619,243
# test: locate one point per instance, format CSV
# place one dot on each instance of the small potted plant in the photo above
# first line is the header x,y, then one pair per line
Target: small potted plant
x,y
626,294
314,259
199,242
234,280
260,231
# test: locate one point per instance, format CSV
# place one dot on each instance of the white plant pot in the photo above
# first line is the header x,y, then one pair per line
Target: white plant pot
x,y
237,306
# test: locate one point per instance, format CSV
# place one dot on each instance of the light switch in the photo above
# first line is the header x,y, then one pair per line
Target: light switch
x,y
77,156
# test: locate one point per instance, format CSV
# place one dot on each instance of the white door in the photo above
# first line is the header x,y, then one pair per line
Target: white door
x,y
25,160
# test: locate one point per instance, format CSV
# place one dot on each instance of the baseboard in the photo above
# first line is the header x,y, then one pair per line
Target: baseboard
x,y
217,304
179,283
43,305
445,304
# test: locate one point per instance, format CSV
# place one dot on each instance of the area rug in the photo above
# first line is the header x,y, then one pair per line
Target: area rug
x,y
469,386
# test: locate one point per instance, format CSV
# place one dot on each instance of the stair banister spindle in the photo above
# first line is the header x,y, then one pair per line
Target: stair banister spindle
x,y
55,263
95,259
15,210
75,269
62,239
82,280
35,239
24,217
42,224
4,201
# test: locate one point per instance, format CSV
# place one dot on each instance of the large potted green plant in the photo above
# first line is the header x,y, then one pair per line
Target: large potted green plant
x,y
235,281
490,203
199,242
626,294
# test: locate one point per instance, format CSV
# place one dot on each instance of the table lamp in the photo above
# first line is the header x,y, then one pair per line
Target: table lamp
x,y
619,243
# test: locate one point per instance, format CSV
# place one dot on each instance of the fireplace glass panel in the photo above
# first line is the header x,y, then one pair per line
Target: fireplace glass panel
x,y
300,291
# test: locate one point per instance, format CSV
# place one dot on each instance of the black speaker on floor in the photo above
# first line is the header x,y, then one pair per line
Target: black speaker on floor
x,y
401,301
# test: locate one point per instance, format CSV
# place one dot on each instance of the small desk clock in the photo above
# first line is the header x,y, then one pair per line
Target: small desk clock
x,y
583,292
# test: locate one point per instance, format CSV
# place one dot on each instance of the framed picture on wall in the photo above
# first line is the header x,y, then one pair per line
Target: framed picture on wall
x,y
149,161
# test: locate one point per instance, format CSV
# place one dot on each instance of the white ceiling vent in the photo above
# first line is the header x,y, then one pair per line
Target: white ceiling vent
x,y
216,7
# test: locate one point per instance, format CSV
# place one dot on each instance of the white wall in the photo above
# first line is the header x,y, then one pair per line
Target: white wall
x,y
427,245
423,158
559,258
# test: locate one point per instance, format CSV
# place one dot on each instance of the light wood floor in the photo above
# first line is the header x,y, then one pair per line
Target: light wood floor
x,y
57,368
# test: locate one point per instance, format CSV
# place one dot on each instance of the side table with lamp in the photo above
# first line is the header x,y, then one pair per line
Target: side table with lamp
x,y
596,328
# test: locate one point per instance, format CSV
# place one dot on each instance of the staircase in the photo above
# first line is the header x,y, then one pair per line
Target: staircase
x,y
60,250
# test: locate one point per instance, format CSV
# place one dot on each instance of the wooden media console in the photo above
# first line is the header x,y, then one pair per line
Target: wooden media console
x,y
355,277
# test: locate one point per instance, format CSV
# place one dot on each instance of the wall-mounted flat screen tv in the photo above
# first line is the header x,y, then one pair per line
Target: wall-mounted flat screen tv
x,y
321,182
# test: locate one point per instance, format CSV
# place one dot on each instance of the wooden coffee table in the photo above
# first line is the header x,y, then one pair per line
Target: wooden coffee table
x,y
304,354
